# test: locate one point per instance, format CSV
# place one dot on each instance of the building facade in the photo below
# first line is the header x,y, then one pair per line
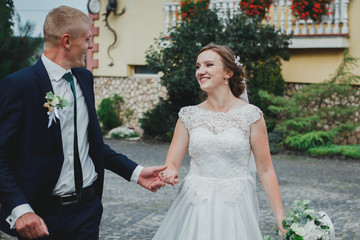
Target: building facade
x,y
119,67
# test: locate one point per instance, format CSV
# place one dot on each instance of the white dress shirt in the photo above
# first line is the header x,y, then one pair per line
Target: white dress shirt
x,y
66,183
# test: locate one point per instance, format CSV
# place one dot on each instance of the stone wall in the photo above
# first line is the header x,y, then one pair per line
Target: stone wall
x,y
140,93
354,137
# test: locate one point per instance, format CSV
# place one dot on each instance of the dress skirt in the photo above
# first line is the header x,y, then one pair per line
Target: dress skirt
x,y
213,209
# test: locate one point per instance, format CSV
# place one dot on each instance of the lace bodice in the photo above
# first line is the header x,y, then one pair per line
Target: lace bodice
x,y
217,199
219,144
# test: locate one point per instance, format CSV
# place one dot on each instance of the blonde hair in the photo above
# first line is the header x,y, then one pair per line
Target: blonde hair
x,y
64,20
237,80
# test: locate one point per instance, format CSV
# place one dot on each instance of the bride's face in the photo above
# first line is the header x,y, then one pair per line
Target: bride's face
x,y
210,71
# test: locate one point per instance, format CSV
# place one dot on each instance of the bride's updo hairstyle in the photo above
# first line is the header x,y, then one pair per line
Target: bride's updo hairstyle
x,y
237,80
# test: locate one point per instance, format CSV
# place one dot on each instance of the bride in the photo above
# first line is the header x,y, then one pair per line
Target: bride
x,y
217,199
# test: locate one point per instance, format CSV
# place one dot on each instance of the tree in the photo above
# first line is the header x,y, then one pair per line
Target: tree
x,y
6,15
257,44
177,64
261,48
16,52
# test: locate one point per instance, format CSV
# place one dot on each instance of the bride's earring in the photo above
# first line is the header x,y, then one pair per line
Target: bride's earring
x,y
226,81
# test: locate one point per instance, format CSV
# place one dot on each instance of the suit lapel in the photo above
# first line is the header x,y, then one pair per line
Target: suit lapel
x,y
45,86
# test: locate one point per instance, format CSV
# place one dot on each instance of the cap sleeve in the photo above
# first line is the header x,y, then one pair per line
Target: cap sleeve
x,y
255,113
184,115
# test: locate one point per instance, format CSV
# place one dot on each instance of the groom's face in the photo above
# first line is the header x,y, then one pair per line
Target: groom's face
x,y
79,47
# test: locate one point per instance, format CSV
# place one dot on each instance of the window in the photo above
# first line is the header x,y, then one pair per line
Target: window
x,y
143,70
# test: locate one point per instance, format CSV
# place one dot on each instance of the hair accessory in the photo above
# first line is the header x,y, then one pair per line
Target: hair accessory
x,y
237,61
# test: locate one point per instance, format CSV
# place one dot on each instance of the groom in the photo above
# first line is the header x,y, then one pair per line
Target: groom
x,y
52,172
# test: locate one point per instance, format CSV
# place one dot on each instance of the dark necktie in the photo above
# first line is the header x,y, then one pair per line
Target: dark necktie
x,y
77,165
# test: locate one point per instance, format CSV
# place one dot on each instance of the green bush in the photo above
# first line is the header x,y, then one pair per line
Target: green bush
x,y
158,123
111,112
117,103
307,120
351,151
267,77
307,140
107,114
257,45
275,141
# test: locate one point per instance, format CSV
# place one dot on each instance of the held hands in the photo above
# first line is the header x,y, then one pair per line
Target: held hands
x,y
31,226
149,178
170,176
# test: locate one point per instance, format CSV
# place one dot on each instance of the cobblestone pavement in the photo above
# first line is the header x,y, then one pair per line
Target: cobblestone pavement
x,y
133,213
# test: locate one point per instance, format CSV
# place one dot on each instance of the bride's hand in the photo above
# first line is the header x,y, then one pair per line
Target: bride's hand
x,y
282,231
169,176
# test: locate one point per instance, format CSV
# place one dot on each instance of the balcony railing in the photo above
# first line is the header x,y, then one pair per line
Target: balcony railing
x,y
333,30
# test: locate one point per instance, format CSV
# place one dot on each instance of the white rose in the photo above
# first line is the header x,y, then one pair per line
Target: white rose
x,y
297,229
309,211
55,101
312,232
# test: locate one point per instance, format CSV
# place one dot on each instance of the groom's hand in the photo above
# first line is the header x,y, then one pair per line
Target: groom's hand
x,y
31,226
149,178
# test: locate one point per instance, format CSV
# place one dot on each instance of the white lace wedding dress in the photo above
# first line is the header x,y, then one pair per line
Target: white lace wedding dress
x,y
217,199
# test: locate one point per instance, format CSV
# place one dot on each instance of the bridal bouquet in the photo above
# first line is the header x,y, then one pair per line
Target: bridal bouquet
x,y
303,223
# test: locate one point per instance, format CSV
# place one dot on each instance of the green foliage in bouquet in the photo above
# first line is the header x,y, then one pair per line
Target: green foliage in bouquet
x,y
307,120
303,223
258,45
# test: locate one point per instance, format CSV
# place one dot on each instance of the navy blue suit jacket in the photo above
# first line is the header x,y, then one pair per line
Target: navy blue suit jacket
x,y
31,154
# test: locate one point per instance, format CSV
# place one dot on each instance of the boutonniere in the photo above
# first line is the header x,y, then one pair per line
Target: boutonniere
x,y
54,104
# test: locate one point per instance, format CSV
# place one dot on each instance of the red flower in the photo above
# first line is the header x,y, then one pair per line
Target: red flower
x,y
193,8
255,7
313,9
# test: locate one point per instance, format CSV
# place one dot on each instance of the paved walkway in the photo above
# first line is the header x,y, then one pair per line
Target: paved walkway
x,y
133,213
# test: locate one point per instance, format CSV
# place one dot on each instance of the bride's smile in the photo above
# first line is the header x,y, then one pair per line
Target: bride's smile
x,y
210,71
204,79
